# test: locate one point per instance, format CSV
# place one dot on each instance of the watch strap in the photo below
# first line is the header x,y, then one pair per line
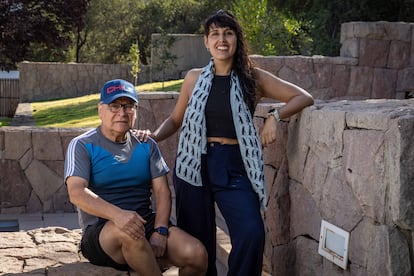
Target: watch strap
x,y
161,230
275,113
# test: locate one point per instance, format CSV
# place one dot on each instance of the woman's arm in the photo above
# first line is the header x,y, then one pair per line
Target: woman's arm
x,y
173,122
294,97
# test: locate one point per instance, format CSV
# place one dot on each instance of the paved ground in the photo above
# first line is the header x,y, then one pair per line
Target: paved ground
x,y
23,115
50,227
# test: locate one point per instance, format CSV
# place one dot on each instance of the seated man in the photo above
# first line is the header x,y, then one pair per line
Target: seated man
x,y
111,177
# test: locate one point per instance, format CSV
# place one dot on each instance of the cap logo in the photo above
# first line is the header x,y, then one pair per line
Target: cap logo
x,y
114,88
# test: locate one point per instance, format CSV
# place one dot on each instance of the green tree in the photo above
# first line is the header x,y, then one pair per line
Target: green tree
x,y
112,26
134,61
322,19
269,32
166,58
38,30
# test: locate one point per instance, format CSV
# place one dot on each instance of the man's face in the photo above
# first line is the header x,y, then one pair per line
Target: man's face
x,y
117,117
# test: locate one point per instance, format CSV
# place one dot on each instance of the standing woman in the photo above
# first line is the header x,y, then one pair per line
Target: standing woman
x,y
219,157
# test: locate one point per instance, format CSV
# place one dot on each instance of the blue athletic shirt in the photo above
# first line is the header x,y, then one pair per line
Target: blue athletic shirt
x,y
120,173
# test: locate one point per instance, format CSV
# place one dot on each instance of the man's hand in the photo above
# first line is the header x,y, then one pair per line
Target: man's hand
x,y
131,223
158,243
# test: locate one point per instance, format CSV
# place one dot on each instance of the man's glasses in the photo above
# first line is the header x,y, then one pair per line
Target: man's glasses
x,y
128,108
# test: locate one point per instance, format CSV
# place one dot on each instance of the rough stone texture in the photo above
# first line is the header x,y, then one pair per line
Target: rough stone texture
x,y
347,162
372,52
365,46
46,251
357,175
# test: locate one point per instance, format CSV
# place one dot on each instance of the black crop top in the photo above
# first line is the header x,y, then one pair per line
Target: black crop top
x,y
219,118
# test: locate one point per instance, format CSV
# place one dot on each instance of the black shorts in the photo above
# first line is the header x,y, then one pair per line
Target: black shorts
x,y
92,250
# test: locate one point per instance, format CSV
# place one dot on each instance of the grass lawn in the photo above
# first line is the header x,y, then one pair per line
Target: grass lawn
x,y
5,121
81,111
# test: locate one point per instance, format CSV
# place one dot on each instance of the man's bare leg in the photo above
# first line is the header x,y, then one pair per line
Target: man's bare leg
x,y
124,249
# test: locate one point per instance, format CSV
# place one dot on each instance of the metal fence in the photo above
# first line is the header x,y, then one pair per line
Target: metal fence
x,y
9,97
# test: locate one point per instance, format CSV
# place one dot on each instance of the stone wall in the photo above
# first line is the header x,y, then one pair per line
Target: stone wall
x,y
347,162
376,61
350,163
189,52
49,80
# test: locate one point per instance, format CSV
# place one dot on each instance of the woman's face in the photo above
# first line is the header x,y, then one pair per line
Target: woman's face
x,y
221,42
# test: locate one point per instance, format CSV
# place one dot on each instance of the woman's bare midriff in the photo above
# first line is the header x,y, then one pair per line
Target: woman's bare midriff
x,y
223,140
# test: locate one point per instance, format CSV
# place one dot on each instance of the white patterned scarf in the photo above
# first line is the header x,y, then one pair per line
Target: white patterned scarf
x,y
193,141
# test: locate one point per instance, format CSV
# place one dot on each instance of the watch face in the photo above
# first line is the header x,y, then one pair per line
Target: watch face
x,y
162,230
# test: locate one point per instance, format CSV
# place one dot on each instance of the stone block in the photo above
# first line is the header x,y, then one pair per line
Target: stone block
x,y
16,142
399,31
282,259
2,146
401,176
360,82
327,125
340,80
323,75
399,55
306,253
84,269
314,174
14,187
405,80
43,180
47,145
371,30
412,47
373,53
384,83
270,63
26,159
303,80
305,217
381,249
350,48
347,31
276,217
33,204
338,204
365,171
298,143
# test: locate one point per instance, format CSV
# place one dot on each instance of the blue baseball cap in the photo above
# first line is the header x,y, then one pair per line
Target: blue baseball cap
x,y
117,88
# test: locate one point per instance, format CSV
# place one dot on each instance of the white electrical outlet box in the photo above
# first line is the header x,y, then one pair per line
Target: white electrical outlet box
x,y
333,244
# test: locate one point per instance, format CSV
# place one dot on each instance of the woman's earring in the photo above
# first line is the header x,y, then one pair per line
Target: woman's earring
x,y
208,50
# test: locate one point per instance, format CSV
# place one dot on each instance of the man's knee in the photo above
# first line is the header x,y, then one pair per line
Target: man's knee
x,y
191,251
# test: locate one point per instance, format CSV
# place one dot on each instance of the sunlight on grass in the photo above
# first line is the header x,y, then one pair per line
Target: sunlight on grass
x,y
74,112
174,85
5,121
82,111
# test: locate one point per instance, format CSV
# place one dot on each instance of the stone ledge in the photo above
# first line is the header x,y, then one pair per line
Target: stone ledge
x,y
50,251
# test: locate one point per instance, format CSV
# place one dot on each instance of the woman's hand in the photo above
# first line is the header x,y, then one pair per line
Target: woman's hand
x,y
142,135
268,134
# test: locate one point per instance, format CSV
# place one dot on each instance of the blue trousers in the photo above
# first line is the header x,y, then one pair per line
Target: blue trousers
x,y
225,182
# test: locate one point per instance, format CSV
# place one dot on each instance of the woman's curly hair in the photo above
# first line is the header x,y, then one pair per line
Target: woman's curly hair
x,y
242,64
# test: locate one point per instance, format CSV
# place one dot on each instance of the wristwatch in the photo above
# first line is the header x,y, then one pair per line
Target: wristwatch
x,y
161,230
275,113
